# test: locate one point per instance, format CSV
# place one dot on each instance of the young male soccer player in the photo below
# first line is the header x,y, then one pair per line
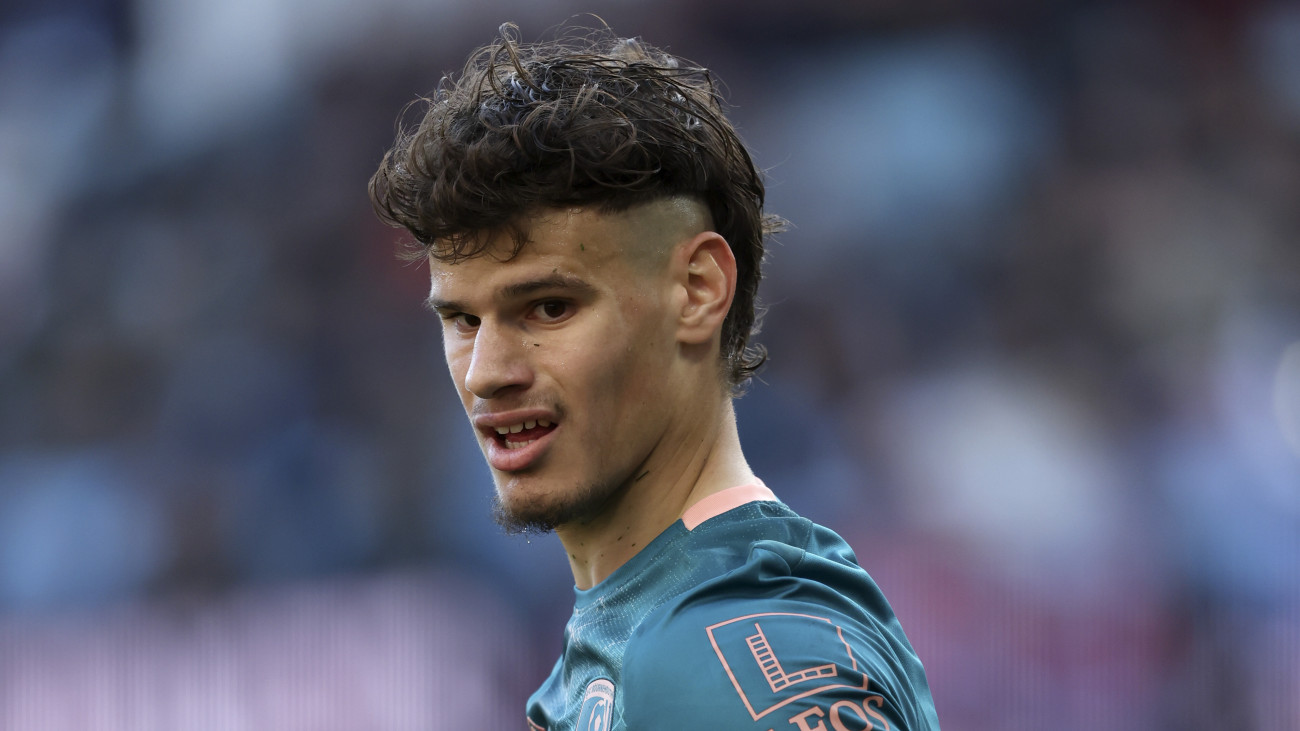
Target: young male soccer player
x,y
594,230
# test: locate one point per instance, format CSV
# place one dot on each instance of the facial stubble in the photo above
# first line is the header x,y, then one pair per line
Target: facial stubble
x,y
544,516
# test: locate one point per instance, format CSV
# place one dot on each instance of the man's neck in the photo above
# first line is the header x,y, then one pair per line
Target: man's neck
x,y
703,459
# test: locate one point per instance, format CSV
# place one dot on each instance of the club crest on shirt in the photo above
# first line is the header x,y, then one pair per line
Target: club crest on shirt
x,y
597,713
757,662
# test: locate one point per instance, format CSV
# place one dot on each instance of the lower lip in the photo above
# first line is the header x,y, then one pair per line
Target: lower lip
x,y
520,458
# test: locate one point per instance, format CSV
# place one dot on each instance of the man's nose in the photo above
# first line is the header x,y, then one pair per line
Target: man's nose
x,y
499,362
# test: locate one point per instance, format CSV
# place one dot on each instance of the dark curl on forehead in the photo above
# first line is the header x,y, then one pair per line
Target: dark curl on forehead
x,y
586,120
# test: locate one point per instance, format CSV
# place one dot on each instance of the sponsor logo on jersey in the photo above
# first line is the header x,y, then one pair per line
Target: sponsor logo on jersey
x,y
843,713
597,712
751,651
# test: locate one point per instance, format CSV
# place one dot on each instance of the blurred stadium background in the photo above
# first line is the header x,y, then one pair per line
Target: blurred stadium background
x,y
1035,337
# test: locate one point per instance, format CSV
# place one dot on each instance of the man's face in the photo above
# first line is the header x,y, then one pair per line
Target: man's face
x,y
563,357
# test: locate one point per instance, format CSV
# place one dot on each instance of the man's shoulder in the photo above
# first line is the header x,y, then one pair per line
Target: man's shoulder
x,y
799,628
774,552
771,663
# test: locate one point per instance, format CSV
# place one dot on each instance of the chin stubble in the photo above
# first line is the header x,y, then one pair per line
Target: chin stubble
x,y
540,518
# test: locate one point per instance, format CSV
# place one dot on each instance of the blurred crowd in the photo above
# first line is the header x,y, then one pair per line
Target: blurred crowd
x,y
1035,337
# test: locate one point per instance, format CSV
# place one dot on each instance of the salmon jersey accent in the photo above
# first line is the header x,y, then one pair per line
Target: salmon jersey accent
x,y
533,726
729,499
763,682
776,676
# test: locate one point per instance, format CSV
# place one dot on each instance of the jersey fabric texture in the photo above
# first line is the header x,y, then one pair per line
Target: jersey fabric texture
x,y
755,618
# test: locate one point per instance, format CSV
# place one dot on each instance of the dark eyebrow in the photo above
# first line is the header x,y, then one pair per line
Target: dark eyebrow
x,y
551,282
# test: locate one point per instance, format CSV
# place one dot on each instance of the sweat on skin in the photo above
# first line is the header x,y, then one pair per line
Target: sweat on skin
x,y
596,349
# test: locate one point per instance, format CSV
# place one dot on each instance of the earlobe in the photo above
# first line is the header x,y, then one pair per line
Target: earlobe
x,y
709,280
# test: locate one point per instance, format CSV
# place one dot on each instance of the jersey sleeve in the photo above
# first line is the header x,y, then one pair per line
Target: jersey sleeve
x,y
778,665
777,646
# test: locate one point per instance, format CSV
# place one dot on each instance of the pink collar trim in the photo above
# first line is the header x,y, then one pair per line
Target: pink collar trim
x,y
720,502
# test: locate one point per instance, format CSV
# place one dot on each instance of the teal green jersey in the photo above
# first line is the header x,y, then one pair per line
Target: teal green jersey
x,y
742,615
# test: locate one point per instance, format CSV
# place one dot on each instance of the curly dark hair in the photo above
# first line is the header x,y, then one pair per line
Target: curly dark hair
x,y
584,120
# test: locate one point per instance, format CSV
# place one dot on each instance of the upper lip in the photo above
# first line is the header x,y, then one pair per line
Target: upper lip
x,y
488,423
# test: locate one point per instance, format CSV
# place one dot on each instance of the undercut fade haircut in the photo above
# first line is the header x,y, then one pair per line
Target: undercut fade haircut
x,y
587,120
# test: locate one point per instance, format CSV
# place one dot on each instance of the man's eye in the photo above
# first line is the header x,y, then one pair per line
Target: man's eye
x,y
462,321
552,310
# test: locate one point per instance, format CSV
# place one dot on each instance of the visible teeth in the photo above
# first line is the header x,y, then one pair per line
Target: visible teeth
x,y
516,428
517,445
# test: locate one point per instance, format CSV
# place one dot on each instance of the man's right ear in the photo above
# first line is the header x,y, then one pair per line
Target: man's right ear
x,y
707,275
